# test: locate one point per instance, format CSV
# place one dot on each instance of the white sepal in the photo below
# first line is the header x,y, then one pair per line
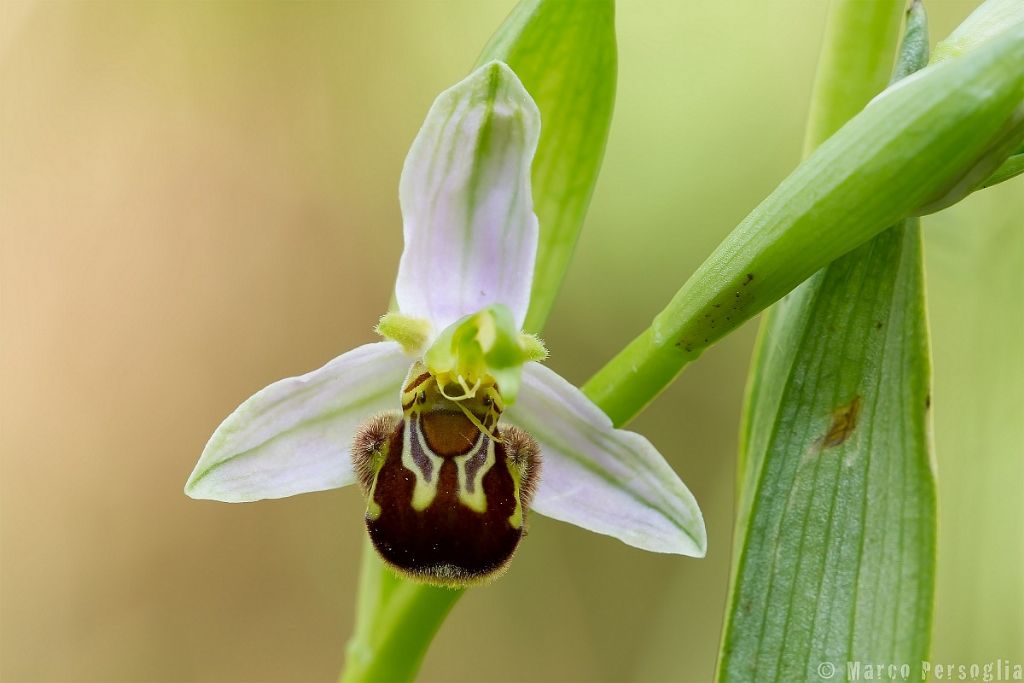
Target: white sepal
x,y
295,435
603,479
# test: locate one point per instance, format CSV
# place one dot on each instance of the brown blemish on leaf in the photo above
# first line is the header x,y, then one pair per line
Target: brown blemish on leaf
x,y
927,401
844,421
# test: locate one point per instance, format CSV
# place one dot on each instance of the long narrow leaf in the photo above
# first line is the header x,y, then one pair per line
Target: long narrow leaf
x,y
837,550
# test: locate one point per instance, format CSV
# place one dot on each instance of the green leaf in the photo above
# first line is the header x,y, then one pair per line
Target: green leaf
x,y
565,55
835,541
857,44
836,533
987,21
910,146
1011,168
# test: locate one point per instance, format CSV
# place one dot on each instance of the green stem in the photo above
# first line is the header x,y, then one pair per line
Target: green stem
x,y
396,620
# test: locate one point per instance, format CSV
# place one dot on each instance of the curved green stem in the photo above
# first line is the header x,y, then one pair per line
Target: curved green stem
x,y
396,620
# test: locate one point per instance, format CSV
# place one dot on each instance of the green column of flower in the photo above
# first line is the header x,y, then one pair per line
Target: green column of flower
x,y
835,539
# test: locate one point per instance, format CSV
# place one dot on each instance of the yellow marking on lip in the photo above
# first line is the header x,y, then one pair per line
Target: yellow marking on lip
x,y
476,501
372,506
516,518
424,491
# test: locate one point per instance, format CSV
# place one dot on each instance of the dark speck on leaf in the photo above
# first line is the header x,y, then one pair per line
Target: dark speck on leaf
x,y
844,421
878,324
750,277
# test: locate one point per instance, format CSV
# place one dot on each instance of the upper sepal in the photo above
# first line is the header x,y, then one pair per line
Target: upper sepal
x,y
470,230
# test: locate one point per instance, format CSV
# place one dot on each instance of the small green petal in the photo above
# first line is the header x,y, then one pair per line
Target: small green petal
x,y
533,347
412,333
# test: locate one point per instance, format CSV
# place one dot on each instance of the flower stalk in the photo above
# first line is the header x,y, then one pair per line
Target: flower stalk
x,y
912,145
396,620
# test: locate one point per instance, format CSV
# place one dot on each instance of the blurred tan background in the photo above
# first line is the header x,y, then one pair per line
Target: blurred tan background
x,y
200,198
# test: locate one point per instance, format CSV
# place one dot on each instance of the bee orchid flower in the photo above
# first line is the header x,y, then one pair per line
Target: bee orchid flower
x,y
444,425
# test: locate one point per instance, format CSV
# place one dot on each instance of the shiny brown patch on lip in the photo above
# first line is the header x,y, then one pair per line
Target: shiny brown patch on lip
x,y
844,421
448,433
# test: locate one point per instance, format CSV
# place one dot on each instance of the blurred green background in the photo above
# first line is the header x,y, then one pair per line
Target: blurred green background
x,y
200,198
